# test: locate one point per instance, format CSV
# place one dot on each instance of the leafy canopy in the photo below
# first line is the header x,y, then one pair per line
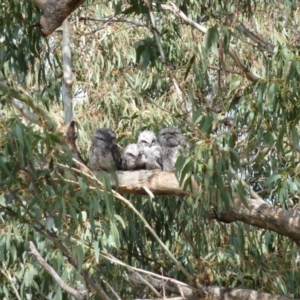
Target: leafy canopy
x,y
233,90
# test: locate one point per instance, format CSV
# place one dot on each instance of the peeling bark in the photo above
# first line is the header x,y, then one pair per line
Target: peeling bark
x,y
55,12
263,215
158,182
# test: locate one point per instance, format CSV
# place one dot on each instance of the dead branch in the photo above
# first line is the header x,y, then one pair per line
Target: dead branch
x,y
158,182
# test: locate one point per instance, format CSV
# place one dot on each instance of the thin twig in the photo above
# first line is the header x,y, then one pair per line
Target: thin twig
x,y
148,192
148,285
252,193
115,20
111,289
8,276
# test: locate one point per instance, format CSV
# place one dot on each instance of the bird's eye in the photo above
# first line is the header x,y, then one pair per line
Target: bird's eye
x,y
144,142
130,154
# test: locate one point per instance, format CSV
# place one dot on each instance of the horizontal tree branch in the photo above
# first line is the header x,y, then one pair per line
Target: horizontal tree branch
x,y
211,292
257,212
158,182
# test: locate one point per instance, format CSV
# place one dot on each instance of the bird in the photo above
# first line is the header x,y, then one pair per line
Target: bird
x,y
150,149
147,139
105,153
171,140
151,157
132,158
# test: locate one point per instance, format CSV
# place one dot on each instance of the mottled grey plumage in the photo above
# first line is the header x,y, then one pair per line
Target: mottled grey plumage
x,y
132,158
150,149
147,139
151,157
171,140
105,153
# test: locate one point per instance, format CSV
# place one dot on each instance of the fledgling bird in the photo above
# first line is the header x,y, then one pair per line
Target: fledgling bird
x,y
150,149
171,140
105,153
151,157
132,158
147,139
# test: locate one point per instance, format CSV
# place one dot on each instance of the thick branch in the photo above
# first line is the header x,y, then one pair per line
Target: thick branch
x,y
67,79
158,182
55,12
263,215
211,292
258,213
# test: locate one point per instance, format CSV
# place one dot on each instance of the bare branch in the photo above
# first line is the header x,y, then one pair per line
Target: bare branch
x,y
67,78
26,112
170,285
148,284
263,44
208,293
111,289
78,295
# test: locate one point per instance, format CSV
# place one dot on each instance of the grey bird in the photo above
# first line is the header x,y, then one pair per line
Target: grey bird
x,y
171,140
147,139
151,157
105,153
132,158
150,149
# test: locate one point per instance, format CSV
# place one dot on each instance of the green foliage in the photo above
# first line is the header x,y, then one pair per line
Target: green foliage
x,y
248,126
